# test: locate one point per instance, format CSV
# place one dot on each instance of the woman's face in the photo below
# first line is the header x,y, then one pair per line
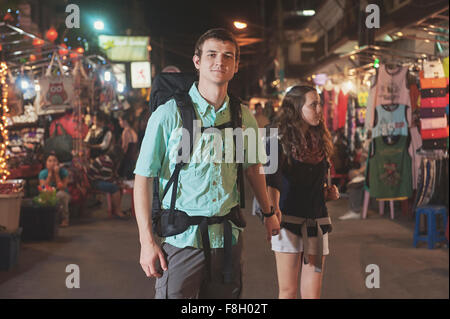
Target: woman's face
x,y
121,122
312,110
51,162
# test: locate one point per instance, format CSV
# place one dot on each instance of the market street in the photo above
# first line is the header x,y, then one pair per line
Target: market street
x,y
107,252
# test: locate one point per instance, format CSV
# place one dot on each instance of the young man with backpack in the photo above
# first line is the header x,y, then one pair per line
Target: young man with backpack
x,y
199,219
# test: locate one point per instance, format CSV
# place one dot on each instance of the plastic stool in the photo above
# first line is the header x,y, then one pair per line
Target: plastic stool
x,y
380,206
433,236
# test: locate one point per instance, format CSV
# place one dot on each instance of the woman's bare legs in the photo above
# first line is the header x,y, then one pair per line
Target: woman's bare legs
x,y
311,281
288,268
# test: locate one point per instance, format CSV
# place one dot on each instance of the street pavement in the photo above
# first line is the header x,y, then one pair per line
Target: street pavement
x,y
107,253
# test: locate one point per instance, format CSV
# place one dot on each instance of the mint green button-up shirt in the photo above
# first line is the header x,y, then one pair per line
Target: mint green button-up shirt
x,y
207,184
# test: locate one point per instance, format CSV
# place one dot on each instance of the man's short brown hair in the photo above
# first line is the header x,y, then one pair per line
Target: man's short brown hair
x,y
219,34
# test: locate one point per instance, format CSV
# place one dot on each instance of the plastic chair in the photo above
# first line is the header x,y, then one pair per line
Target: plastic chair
x,y
380,206
432,236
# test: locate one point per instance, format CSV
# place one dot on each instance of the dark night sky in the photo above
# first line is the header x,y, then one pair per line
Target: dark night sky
x,y
174,23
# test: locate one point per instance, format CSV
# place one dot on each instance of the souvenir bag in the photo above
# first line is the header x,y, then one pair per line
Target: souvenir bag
x,y
57,91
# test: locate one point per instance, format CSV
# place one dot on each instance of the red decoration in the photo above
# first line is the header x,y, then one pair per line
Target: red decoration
x,y
80,50
32,57
38,42
8,17
51,34
63,51
1,48
73,55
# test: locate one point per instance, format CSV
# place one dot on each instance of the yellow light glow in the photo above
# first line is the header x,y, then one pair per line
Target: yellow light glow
x,y
240,25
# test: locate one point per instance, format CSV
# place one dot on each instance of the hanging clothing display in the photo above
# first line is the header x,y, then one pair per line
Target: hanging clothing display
x,y
433,69
390,120
390,87
433,180
390,168
433,106
434,134
435,83
416,158
328,98
342,108
432,112
445,66
433,123
414,95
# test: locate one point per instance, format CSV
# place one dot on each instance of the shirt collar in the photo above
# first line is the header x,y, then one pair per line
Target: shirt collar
x,y
202,104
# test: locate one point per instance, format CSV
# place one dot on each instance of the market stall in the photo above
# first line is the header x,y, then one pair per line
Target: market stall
x,y
396,108
48,91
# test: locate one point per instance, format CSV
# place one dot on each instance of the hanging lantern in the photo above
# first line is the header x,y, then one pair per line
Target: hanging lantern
x,y
8,18
38,42
80,50
51,34
63,50
73,55
32,58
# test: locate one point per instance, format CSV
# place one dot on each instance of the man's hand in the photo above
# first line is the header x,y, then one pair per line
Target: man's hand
x,y
272,226
150,254
331,193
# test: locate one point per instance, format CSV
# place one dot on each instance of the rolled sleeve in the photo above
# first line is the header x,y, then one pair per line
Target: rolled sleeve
x,y
255,152
156,138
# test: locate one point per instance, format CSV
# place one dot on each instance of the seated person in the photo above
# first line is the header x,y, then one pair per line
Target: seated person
x,y
99,138
355,187
54,176
101,175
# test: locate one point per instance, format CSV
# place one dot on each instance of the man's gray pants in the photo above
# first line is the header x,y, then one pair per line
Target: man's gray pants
x,y
186,276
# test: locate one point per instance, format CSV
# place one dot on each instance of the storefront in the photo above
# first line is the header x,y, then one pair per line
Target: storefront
x,y
391,101
49,94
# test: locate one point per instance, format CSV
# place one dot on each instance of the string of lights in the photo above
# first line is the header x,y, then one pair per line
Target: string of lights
x,y
4,172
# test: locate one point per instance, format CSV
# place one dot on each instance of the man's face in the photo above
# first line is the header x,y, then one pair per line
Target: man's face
x,y
218,61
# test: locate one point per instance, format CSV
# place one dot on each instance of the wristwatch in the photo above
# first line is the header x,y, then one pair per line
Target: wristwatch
x,y
272,212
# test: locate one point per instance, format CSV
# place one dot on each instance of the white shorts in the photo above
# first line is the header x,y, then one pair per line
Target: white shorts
x,y
288,242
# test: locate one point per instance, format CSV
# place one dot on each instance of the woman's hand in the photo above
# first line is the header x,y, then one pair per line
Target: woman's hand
x,y
278,214
272,226
331,193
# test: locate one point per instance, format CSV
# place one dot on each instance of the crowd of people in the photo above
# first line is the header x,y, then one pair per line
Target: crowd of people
x,y
110,149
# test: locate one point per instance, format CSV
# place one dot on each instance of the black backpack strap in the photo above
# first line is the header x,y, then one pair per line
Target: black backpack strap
x,y
236,118
188,116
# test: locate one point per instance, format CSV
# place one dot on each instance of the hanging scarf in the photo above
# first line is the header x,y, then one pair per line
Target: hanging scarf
x,y
310,151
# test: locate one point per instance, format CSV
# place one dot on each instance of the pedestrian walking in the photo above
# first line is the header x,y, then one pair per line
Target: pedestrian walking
x,y
298,191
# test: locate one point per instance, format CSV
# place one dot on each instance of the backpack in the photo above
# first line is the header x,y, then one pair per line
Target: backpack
x,y
176,86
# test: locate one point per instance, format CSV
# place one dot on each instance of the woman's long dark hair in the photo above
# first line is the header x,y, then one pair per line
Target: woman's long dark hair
x,y
292,128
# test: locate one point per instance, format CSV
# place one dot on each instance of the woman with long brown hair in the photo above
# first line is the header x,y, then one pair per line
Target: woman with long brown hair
x,y
298,193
